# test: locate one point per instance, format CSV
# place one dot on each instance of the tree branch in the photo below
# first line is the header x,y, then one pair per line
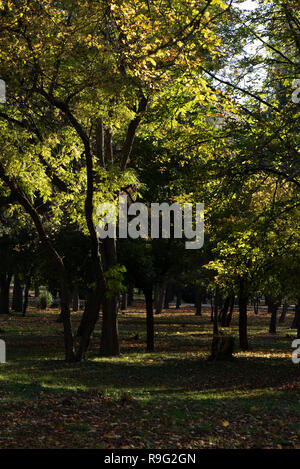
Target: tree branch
x,y
131,132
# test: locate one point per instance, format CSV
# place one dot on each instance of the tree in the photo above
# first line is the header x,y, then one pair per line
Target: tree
x,y
90,70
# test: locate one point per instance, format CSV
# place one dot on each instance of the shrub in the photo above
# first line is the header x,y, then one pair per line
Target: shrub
x,y
44,300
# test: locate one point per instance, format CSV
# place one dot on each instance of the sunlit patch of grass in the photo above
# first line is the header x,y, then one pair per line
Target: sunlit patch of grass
x,y
274,354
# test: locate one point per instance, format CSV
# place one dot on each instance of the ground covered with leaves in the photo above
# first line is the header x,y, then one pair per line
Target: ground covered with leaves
x,y
171,399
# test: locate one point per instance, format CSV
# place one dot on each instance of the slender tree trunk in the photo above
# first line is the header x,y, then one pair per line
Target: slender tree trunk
x,y
75,300
167,296
296,321
297,316
66,317
220,308
110,334
60,316
108,254
216,309
211,308
231,307
130,296
273,308
284,311
224,311
150,319
5,280
178,299
160,299
124,301
156,294
87,324
243,334
256,305
84,316
36,290
198,303
17,299
26,295
110,337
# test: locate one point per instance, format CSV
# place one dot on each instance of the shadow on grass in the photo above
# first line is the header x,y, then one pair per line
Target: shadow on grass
x,y
149,373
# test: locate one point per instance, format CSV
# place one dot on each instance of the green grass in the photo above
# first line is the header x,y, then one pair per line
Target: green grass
x,y
172,398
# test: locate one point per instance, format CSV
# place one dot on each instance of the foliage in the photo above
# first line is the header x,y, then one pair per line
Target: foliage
x,y
44,300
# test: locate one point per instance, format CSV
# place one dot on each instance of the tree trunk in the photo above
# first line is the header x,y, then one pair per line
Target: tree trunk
x,y
167,297
211,308
216,309
107,260
75,300
160,299
178,299
124,301
26,295
272,309
156,294
5,280
87,324
222,348
36,290
297,315
150,319
296,321
284,311
130,298
221,304
224,311
231,307
110,334
243,334
198,303
17,300
256,305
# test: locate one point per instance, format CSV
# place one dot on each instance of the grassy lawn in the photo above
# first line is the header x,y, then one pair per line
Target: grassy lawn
x,y
173,398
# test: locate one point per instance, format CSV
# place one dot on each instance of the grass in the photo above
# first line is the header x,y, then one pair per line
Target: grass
x,y
172,398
